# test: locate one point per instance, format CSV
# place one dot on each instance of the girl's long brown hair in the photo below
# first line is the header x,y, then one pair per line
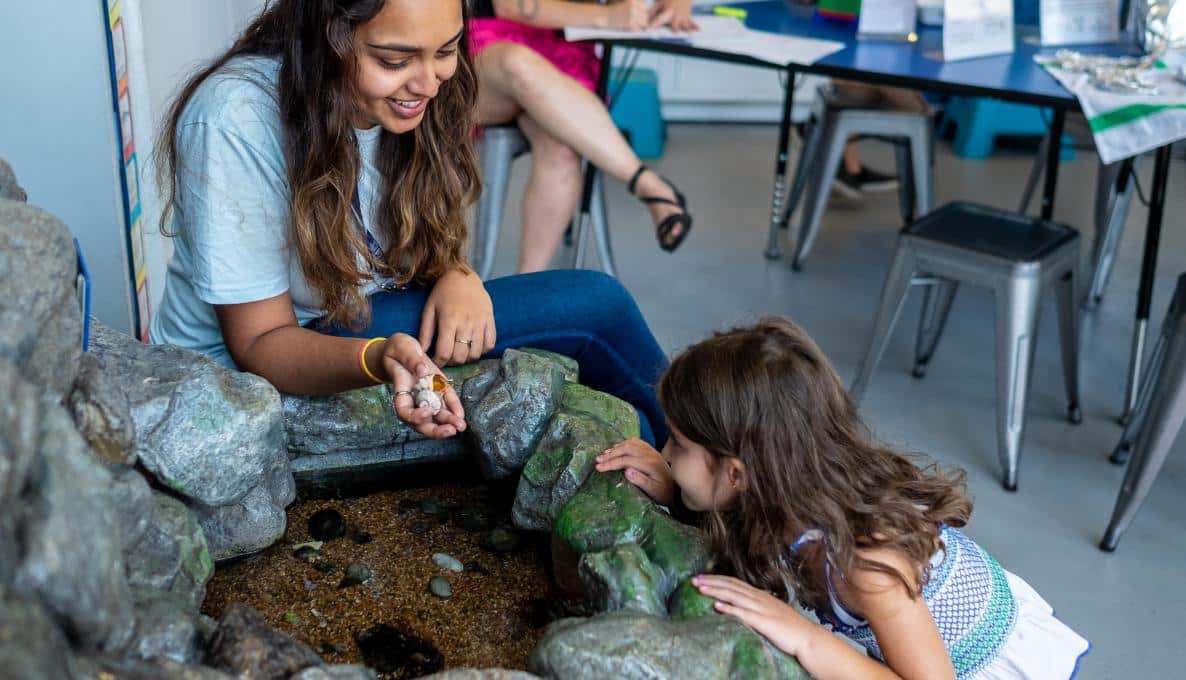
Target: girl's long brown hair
x,y
429,175
767,395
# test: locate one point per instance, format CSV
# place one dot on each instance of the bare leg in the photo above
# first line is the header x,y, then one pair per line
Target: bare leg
x,y
567,111
852,159
550,199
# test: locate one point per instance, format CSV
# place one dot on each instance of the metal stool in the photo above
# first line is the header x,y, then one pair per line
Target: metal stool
x,y
835,122
502,144
1014,256
1156,422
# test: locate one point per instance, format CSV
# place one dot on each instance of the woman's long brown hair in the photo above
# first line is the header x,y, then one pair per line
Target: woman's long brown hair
x,y
767,395
429,176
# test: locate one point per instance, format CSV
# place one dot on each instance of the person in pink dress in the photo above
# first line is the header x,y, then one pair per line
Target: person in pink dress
x,y
531,76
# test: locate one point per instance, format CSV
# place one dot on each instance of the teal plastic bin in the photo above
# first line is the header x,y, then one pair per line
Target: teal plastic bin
x,y
638,112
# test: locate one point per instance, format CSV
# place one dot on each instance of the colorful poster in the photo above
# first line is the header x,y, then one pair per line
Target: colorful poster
x,y
122,98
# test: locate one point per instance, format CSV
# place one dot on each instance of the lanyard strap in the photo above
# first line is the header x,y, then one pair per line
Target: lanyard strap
x,y
384,282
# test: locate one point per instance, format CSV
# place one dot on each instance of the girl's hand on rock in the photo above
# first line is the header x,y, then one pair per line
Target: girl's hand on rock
x,y
405,362
764,613
644,467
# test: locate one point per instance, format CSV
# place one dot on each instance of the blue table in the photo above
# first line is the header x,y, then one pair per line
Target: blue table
x,y
918,65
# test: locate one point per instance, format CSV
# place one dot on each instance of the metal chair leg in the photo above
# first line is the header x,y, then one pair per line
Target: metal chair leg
x,y
1017,302
834,141
808,161
1132,428
1117,187
1068,333
936,307
1177,310
599,218
893,298
922,159
496,154
906,189
1167,412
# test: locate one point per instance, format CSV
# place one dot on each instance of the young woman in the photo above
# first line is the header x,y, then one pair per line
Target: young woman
x,y
800,502
530,75
318,176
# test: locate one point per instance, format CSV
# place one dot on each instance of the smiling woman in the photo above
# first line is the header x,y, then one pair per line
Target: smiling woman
x,y
317,178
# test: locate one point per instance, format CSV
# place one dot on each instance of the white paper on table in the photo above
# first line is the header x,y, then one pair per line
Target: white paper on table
x,y
772,48
888,18
1071,22
710,27
977,28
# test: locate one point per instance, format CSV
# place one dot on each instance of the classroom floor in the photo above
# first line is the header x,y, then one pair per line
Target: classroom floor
x,y
1130,604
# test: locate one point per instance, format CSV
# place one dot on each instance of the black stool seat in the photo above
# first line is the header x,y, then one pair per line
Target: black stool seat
x,y
992,231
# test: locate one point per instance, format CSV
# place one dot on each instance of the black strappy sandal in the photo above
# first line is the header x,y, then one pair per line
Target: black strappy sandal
x,y
664,229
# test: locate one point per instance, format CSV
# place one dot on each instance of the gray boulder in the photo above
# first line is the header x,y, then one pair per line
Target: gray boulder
x,y
481,674
340,672
167,627
102,412
171,554
127,668
245,646
9,189
587,423
622,577
68,546
213,436
507,409
39,312
31,646
632,645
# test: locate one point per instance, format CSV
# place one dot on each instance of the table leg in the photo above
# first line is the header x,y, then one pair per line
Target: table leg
x,y
1053,156
777,203
1136,359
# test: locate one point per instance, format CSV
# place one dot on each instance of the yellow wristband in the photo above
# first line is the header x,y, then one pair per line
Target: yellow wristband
x,y
362,360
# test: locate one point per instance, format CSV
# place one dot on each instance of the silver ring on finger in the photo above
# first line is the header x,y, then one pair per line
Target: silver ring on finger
x,y
400,393
467,343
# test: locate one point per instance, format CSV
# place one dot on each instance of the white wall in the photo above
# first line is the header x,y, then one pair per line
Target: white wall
x,y
57,129
169,40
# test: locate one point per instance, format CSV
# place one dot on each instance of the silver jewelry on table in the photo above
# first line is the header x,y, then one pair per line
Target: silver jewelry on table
x,y
1122,75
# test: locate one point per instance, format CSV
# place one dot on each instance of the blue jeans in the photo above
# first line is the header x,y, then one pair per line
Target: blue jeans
x,y
583,314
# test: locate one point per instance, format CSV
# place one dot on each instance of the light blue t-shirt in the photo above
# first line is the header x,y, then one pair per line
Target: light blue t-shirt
x,y
232,217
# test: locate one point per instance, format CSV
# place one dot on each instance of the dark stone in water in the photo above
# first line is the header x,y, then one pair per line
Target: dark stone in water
x,y
420,527
326,525
500,540
306,553
440,586
358,534
471,519
477,568
388,650
355,574
325,566
536,612
329,648
433,506
407,506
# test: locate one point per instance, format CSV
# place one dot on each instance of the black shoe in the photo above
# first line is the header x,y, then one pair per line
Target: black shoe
x,y
871,180
665,229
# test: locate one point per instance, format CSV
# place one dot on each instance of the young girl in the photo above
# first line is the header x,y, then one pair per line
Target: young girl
x,y
318,174
531,76
766,442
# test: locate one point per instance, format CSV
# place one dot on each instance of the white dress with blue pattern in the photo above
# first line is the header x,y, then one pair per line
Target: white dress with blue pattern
x,y
995,626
